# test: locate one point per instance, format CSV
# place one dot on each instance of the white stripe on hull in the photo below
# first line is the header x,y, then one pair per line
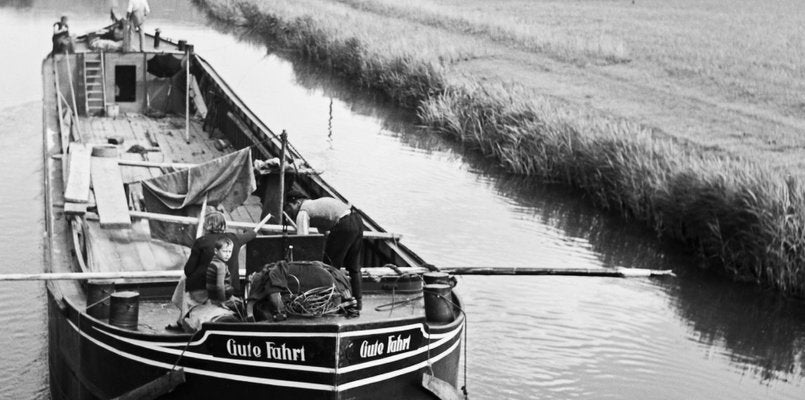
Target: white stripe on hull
x,y
164,348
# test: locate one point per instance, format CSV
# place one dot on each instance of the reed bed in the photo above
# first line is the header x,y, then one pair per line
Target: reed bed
x,y
743,220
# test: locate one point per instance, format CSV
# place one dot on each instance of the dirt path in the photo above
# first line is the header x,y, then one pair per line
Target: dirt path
x,y
680,112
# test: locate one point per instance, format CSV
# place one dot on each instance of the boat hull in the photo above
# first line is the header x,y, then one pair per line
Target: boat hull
x,y
90,359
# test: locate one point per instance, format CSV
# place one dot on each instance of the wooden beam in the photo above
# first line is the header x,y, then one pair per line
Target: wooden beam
x,y
147,164
71,208
110,197
613,272
198,100
152,164
167,275
77,190
177,219
62,276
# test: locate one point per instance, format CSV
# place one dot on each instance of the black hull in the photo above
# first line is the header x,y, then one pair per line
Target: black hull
x,y
92,360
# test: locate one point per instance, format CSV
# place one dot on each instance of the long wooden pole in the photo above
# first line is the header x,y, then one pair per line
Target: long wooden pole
x,y
187,99
262,222
378,272
614,272
72,92
56,276
284,139
534,271
146,164
200,227
269,228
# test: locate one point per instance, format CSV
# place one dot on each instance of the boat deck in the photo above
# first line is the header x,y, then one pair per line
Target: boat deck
x,y
155,315
162,140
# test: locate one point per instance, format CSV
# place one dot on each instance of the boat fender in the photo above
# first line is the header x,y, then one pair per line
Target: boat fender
x,y
124,309
438,307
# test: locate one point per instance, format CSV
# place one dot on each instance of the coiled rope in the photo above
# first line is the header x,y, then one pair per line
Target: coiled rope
x,y
315,302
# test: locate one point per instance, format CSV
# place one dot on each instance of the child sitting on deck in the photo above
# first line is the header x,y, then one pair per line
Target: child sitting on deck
x,y
219,281
215,302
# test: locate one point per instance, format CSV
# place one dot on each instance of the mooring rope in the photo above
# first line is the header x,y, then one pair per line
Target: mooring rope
x,y
98,302
186,345
466,324
394,303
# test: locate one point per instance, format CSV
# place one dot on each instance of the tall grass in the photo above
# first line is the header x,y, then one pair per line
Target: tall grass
x,y
741,219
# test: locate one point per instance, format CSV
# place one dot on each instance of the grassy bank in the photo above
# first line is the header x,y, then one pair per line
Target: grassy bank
x,y
737,211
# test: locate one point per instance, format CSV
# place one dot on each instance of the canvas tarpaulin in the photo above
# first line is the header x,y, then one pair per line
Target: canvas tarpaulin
x,y
226,181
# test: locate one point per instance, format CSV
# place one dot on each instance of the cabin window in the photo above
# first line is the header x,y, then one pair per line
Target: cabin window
x,y
125,83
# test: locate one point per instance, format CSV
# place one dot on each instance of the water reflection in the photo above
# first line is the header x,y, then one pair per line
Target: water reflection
x,y
757,329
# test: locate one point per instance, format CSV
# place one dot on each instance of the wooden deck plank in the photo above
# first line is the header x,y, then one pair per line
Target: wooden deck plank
x,y
139,124
132,250
108,126
198,100
91,128
71,208
78,179
109,194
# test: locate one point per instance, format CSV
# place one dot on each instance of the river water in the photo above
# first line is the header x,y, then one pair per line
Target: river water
x,y
690,337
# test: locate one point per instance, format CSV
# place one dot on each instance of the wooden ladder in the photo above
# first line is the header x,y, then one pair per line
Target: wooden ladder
x,y
94,83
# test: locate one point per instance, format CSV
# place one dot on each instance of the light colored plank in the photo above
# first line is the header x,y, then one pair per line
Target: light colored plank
x,y
198,101
71,208
109,194
79,176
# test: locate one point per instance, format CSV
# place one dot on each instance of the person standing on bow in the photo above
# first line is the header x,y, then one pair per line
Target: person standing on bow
x,y
62,41
136,13
343,226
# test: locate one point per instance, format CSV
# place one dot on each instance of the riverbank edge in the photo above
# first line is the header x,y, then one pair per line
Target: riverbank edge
x,y
742,220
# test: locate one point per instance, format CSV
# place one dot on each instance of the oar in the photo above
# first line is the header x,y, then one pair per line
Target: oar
x,y
615,272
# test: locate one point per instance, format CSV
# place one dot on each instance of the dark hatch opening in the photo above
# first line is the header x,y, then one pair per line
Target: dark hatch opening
x,y
125,83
